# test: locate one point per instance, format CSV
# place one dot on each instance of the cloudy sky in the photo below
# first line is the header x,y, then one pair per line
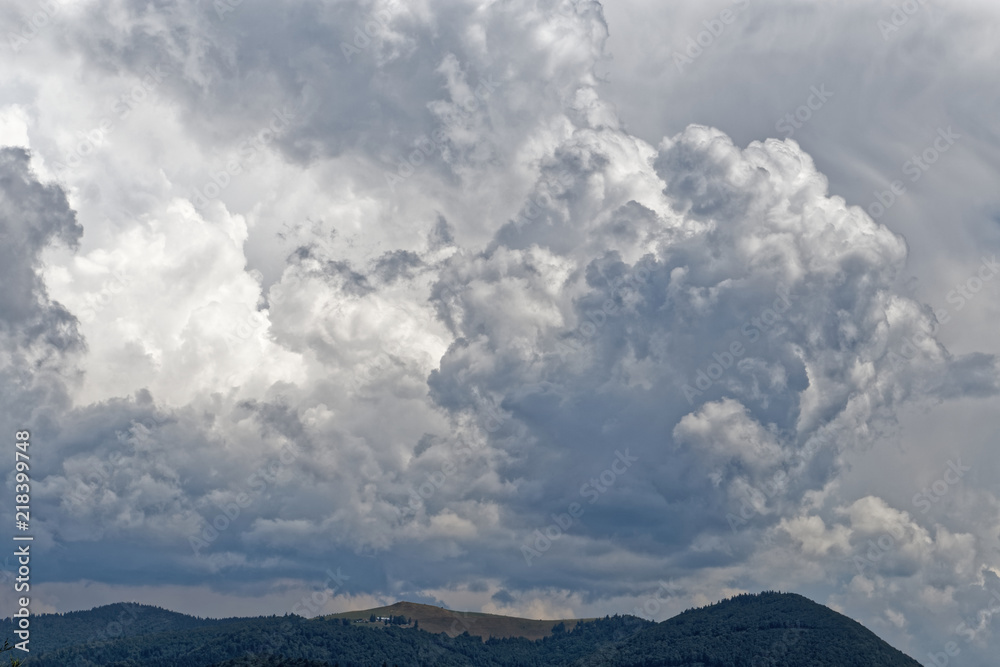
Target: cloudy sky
x,y
540,307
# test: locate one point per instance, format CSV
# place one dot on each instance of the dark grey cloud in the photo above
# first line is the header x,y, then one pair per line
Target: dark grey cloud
x,y
32,217
751,251
396,264
39,336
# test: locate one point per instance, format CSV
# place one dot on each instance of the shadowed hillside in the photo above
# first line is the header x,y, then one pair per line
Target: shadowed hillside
x,y
768,629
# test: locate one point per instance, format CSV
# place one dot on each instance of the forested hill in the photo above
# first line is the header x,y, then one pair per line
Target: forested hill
x,y
777,629
101,624
766,629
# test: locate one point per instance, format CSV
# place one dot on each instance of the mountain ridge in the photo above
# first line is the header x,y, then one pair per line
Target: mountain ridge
x,y
777,629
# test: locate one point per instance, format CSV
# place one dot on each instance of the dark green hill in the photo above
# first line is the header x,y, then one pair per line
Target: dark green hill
x,y
771,628
101,624
270,661
776,629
